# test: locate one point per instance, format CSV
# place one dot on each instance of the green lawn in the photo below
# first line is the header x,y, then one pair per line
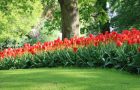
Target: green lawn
x,y
68,79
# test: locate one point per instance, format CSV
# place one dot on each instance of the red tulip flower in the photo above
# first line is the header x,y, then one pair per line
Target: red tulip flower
x,y
119,43
91,35
75,49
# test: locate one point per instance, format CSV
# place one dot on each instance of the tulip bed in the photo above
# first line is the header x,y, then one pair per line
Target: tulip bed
x,y
109,50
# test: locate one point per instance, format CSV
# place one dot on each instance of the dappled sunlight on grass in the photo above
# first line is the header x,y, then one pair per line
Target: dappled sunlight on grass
x,y
67,79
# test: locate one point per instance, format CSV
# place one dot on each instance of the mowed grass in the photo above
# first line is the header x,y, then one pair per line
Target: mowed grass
x,y
68,79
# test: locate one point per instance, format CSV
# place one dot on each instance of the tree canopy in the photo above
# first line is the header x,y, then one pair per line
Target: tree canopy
x,y
127,14
17,17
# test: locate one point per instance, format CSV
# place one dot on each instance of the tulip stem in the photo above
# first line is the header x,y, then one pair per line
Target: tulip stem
x,y
75,58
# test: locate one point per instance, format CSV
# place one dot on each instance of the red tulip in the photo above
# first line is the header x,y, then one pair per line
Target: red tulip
x,y
75,49
129,42
26,45
91,35
1,55
138,41
119,43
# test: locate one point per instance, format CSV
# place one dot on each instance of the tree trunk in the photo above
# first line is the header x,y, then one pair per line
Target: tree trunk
x,y
106,27
69,18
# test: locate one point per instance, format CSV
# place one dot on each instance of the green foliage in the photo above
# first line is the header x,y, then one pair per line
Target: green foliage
x,y
53,21
105,56
17,17
86,10
52,24
93,15
128,15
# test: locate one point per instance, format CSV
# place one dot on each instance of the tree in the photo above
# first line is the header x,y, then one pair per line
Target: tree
x,y
127,14
49,6
102,15
49,23
87,21
69,18
17,17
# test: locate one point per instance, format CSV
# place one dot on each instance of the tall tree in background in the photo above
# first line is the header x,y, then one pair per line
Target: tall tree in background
x,y
69,18
17,17
46,15
127,14
102,15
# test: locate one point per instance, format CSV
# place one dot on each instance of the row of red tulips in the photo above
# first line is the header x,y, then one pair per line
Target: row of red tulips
x,y
130,37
